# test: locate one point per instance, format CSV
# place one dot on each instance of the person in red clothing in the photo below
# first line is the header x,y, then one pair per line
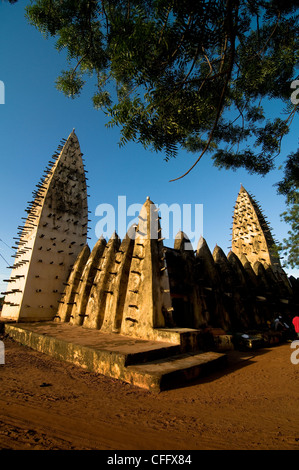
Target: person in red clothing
x,y
295,322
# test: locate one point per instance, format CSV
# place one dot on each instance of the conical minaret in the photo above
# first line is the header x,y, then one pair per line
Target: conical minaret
x,y
251,235
148,303
53,235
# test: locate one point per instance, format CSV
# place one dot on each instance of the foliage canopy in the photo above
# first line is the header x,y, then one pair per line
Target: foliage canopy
x,y
172,73
188,74
289,187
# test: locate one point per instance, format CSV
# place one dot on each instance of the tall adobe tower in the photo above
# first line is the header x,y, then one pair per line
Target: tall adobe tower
x,y
148,303
251,234
53,235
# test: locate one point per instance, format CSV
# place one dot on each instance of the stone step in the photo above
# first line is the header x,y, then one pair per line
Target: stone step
x,y
190,339
152,365
157,352
126,349
174,371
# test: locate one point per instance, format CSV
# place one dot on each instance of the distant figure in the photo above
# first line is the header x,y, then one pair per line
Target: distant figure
x,y
295,322
278,325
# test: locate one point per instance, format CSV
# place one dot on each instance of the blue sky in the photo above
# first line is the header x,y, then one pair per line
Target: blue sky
x,y
35,117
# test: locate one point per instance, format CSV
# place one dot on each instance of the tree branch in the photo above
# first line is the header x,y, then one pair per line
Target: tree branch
x,y
222,97
165,23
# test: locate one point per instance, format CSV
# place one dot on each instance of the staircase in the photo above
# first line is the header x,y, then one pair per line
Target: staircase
x,y
152,365
175,371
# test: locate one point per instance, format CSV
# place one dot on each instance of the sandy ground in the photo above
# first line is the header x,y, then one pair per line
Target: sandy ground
x,y
50,405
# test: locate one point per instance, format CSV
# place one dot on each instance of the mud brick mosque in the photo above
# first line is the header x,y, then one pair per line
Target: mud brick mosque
x,y
135,309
